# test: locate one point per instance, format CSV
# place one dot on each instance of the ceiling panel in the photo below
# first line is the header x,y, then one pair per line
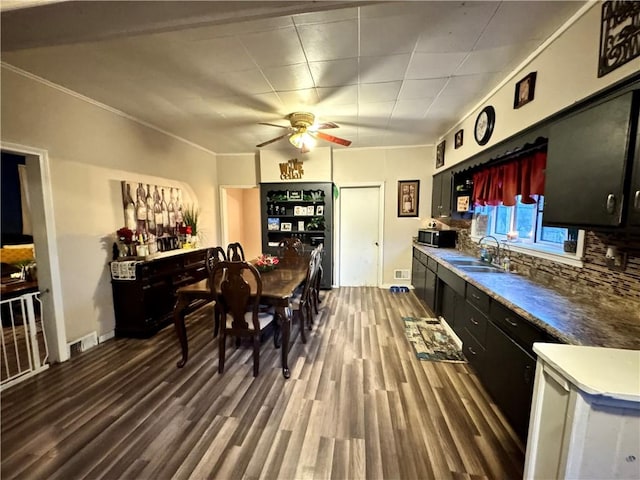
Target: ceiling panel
x,y
389,73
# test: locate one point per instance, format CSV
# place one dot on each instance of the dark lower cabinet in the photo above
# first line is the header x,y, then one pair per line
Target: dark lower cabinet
x,y
448,303
418,276
508,375
144,305
430,289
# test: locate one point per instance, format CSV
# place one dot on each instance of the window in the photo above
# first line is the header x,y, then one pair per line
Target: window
x,y
521,225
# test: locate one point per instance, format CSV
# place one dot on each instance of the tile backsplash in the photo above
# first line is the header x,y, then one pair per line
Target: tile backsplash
x,y
595,278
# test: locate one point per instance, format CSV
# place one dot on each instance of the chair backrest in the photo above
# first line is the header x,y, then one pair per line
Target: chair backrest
x,y
316,255
214,255
237,296
290,247
235,253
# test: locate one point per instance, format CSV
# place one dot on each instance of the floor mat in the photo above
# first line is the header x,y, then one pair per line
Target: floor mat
x,y
431,341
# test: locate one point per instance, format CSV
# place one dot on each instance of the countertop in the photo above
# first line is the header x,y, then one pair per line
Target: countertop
x,y
576,320
604,372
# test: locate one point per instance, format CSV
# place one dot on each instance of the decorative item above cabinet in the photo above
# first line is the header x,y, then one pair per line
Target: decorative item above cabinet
x,y
593,166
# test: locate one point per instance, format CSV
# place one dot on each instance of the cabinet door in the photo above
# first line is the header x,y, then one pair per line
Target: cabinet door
x,y
586,163
441,195
448,306
511,380
430,290
436,194
419,277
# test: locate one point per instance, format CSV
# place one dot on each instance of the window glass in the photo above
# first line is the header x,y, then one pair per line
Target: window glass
x,y
525,220
503,220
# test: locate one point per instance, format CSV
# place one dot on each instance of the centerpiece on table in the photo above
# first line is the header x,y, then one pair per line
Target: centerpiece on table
x,y
266,263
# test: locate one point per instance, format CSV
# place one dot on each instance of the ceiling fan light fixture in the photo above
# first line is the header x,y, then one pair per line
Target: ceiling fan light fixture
x,y
302,140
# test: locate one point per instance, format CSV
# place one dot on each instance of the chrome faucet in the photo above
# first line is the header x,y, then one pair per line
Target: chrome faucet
x,y
485,255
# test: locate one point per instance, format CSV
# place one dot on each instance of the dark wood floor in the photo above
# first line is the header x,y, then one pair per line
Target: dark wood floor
x,y
359,404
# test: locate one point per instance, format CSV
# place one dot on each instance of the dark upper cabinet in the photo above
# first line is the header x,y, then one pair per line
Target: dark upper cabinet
x,y
634,197
589,165
441,195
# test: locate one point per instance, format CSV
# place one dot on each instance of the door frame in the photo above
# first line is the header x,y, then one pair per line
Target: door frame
x,y
338,226
49,271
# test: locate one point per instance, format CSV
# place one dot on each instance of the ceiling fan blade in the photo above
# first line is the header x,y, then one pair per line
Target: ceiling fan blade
x,y
326,125
331,138
272,140
274,125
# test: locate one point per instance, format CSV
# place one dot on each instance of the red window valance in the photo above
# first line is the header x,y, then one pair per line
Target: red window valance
x,y
500,184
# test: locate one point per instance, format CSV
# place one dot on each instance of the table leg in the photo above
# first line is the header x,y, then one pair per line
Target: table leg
x,y
285,328
181,330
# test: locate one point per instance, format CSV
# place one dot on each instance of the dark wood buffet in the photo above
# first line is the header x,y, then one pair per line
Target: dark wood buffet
x,y
143,304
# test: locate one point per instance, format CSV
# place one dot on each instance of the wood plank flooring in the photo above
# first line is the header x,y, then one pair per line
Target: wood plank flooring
x,y
359,404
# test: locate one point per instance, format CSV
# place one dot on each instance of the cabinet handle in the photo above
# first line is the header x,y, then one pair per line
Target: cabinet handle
x,y
511,322
471,350
636,200
471,319
527,375
477,297
611,203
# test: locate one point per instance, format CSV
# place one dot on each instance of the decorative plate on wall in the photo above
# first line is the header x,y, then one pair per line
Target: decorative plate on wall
x,y
484,125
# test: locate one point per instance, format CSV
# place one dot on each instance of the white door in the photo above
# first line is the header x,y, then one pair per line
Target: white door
x,y
359,236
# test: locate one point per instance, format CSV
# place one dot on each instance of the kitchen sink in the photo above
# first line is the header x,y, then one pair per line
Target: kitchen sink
x,y
482,268
461,262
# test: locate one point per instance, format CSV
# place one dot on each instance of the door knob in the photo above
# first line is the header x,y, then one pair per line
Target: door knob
x,y
377,244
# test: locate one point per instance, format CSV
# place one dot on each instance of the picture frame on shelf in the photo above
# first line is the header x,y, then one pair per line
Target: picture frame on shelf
x,y
273,224
525,90
320,210
294,194
440,154
299,210
310,210
408,198
300,225
458,139
285,227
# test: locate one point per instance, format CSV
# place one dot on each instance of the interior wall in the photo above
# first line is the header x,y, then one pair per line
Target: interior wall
x,y
389,165
91,149
567,71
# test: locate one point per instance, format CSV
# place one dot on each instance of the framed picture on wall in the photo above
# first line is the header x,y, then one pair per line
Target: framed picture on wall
x,y
525,89
285,226
408,197
440,154
459,138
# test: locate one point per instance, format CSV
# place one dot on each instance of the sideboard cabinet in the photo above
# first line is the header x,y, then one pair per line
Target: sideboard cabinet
x,y
143,300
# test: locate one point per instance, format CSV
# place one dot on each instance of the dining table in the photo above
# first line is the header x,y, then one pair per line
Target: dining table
x,y
278,286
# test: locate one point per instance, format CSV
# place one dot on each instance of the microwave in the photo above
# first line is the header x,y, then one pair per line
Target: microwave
x,y
437,238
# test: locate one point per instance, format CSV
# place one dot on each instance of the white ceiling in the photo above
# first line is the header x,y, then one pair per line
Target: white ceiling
x,y
389,73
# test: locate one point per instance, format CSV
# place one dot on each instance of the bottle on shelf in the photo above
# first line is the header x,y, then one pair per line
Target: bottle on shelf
x,y
151,221
172,211
165,214
130,210
141,209
157,210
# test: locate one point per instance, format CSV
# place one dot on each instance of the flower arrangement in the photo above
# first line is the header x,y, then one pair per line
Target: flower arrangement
x,y
266,262
125,235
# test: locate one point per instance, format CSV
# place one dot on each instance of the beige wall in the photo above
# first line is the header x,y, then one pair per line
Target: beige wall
x,y
90,151
387,166
238,169
316,165
243,219
567,72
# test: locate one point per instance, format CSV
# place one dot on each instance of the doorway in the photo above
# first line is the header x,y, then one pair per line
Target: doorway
x,y
44,240
240,218
360,235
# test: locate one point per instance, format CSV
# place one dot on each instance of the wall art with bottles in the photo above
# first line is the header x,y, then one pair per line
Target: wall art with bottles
x,y
152,209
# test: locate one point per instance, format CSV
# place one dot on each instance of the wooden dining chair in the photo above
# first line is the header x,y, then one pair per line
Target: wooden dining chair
x,y
235,252
300,303
239,301
290,247
317,279
214,256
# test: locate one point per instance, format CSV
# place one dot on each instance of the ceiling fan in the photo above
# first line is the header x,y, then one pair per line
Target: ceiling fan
x,y
303,132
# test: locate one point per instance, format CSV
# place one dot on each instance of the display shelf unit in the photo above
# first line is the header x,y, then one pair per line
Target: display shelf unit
x,y
303,210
